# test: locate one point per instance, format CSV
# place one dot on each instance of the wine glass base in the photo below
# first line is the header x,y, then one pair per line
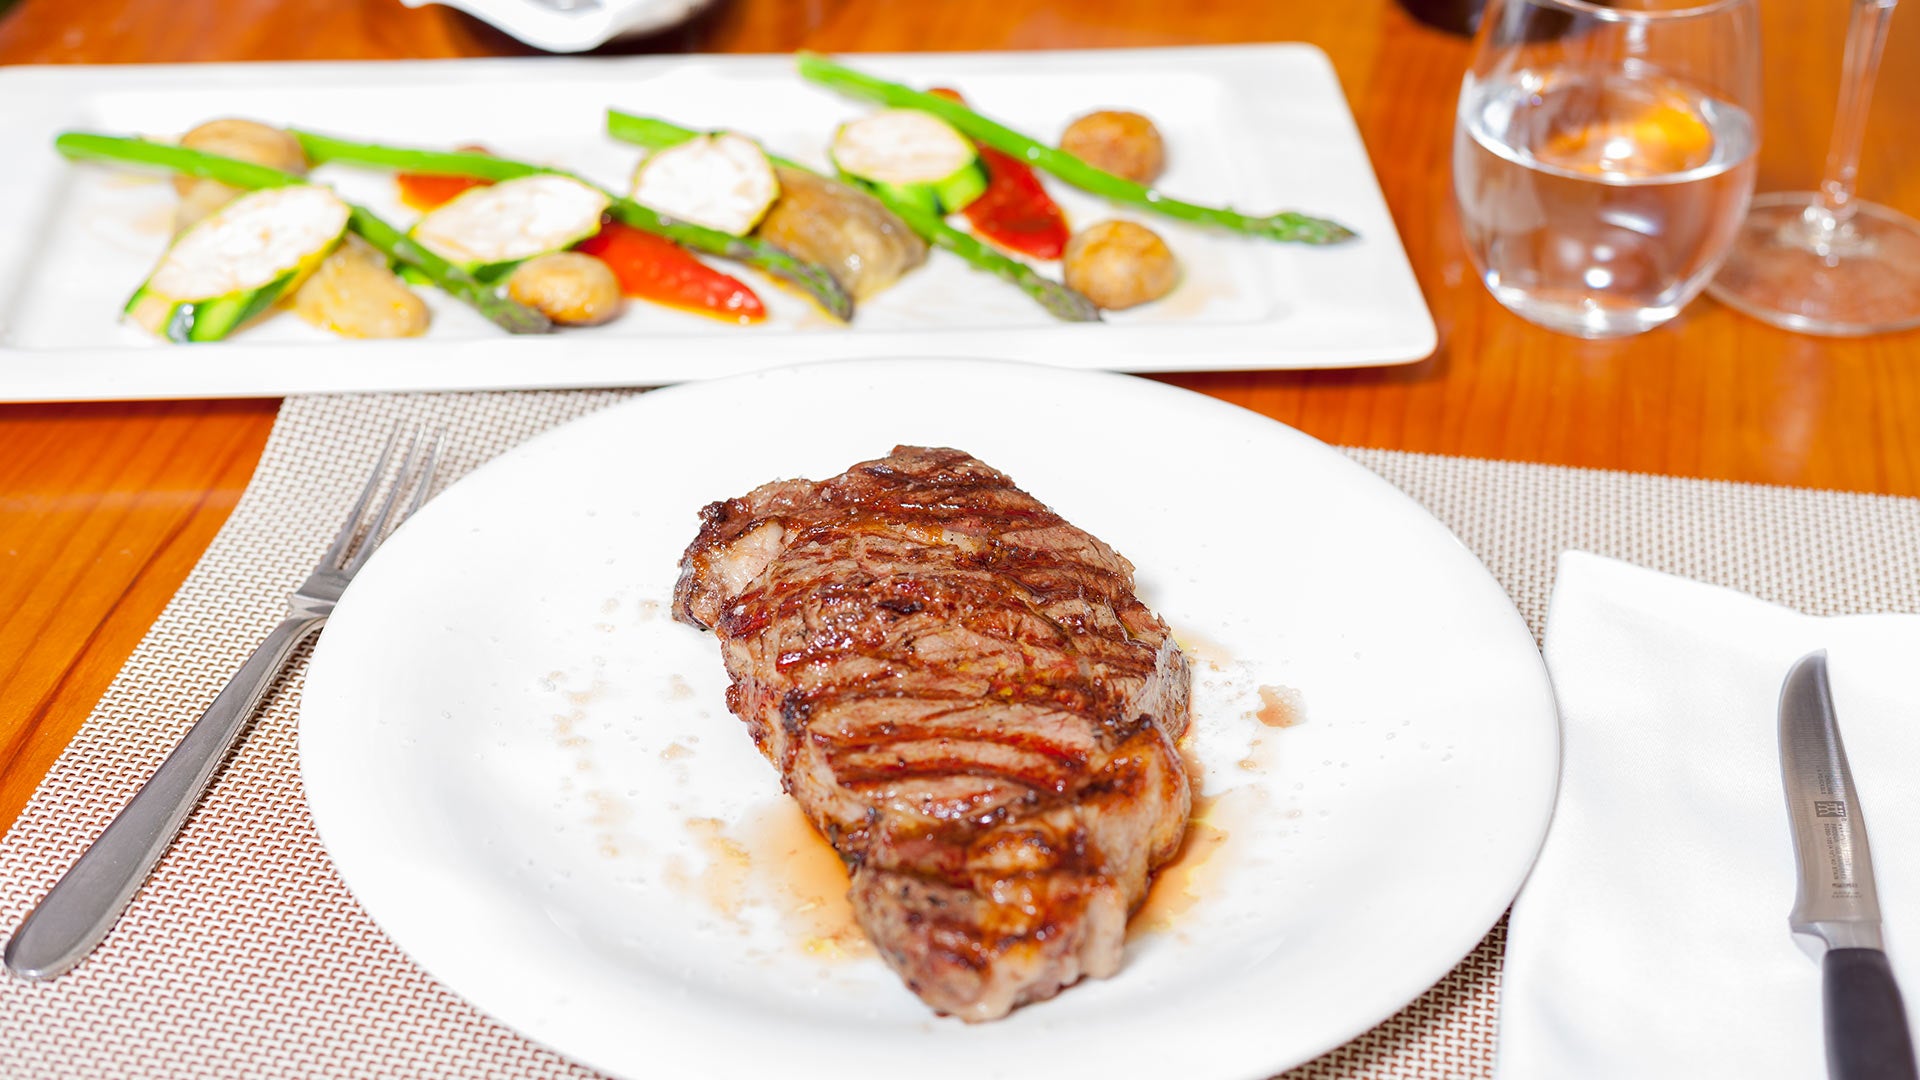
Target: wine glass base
x,y
1863,278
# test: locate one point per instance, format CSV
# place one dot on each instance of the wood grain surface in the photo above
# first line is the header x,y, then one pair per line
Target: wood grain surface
x,y
105,508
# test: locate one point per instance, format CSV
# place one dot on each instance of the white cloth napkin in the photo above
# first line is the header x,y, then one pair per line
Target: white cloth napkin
x,y
1651,938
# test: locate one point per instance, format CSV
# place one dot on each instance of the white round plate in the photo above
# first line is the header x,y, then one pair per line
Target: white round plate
x,y
527,773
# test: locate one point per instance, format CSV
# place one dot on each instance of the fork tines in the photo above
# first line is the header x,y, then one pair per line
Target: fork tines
x,y
414,475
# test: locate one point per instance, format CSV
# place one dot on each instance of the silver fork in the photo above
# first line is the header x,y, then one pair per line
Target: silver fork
x,y
85,903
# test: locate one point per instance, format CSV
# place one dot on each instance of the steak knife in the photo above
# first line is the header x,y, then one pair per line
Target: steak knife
x,y
1866,1021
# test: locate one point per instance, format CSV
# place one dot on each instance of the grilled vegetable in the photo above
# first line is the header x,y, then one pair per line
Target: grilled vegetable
x,y
1125,144
514,317
910,157
654,268
721,181
487,230
1119,264
1015,211
1058,299
812,280
504,311
863,244
838,226
245,140
237,263
1286,225
1062,301
570,288
354,295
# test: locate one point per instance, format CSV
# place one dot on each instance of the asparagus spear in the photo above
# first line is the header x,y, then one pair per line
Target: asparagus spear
x,y
484,298
812,280
654,133
1058,299
509,314
1286,225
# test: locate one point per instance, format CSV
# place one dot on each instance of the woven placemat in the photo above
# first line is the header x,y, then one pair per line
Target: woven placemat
x,y
245,956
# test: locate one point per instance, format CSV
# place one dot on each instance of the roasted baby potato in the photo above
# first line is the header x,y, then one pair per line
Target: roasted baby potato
x,y
355,295
570,288
1118,264
1123,143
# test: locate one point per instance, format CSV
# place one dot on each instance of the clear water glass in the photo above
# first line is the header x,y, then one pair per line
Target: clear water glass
x,y
1603,156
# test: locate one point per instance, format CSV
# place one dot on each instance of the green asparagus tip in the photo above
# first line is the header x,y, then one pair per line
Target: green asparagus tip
x,y
1303,229
1069,305
1334,233
517,318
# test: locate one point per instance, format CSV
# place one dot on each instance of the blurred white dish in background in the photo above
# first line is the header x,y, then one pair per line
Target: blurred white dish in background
x,y
1253,125
574,25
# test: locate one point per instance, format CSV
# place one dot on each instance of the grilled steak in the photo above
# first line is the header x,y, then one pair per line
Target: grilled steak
x,y
969,703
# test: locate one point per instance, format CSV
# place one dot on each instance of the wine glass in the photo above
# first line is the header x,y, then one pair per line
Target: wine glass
x,y
1604,155
1826,262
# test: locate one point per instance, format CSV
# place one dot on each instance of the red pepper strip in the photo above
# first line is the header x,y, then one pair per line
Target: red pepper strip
x,y
1015,211
654,268
426,191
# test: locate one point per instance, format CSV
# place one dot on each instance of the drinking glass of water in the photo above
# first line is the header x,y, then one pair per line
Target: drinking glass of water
x,y
1604,155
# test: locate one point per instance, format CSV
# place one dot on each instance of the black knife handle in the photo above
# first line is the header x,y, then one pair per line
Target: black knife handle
x,y
1867,1037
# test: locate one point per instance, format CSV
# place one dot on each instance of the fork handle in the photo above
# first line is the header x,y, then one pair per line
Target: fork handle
x,y
85,903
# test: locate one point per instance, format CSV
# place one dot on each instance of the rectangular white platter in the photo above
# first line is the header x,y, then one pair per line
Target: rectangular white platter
x,y
1261,127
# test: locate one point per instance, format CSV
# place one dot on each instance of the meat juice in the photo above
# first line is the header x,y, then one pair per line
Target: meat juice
x,y
773,858
811,878
1188,877
1280,706
1599,205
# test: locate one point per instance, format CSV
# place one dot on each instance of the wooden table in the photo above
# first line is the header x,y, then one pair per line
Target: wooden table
x,y
105,508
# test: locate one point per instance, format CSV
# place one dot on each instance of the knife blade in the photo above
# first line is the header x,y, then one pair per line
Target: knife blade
x,y
1866,1020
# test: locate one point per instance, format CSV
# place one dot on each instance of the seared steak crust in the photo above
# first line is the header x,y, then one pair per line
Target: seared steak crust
x,y
969,703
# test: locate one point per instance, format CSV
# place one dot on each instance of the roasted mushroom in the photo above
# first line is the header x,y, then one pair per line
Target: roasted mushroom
x,y
355,295
245,140
570,288
1123,143
1119,264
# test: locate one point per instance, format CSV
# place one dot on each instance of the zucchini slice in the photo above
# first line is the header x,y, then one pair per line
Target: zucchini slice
x,y
486,231
235,264
911,157
722,181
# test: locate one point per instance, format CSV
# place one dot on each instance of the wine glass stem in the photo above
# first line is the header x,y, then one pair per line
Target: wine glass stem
x,y
1866,37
